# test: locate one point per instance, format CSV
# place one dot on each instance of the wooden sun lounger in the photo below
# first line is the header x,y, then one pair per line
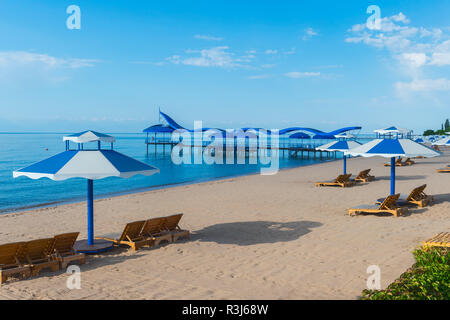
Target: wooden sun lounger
x,y
440,240
443,170
416,197
10,265
171,225
409,162
342,180
154,230
63,250
388,205
36,253
131,236
364,176
398,163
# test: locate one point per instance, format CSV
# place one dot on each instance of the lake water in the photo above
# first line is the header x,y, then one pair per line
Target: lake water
x,y
20,150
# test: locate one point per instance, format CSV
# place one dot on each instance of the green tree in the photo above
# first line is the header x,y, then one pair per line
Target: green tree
x,y
447,125
428,132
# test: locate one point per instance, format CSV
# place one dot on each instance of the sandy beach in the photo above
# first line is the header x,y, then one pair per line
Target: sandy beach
x,y
253,237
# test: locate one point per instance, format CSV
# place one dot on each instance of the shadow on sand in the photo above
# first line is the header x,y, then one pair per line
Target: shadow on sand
x,y
441,198
254,232
401,177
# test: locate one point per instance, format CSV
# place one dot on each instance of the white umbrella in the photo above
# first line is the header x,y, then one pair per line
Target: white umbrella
x,y
392,148
90,164
442,142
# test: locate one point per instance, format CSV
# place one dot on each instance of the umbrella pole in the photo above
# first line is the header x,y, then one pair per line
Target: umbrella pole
x,y
392,175
90,211
345,164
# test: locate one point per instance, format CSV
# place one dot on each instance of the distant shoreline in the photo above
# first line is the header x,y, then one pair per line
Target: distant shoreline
x,y
144,189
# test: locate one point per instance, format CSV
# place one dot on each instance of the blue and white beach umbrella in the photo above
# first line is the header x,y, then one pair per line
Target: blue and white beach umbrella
x,y
442,142
91,164
392,148
340,146
419,140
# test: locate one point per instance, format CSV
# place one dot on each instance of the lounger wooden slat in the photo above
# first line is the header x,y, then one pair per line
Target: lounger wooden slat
x,y
131,236
443,170
154,230
440,240
416,197
342,180
364,176
10,264
171,224
63,249
37,255
388,205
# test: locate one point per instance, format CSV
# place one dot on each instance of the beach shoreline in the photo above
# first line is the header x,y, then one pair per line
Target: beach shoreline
x,y
145,189
253,237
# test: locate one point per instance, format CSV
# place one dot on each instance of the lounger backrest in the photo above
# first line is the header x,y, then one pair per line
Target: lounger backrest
x,y
38,249
132,230
171,222
339,178
363,173
153,226
346,177
416,193
399,160
390,201
63,243
9,252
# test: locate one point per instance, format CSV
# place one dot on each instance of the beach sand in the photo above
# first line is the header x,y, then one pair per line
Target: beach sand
x,y
254,237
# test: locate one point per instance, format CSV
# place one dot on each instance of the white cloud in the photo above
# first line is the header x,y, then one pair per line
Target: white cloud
x,y
421,85
24,58
259,76
414,48
207,37
309,33
271,51
214,57
414,59
296,75
441,54
292,51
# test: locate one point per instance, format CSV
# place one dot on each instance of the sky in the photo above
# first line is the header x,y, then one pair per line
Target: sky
x,y
272,64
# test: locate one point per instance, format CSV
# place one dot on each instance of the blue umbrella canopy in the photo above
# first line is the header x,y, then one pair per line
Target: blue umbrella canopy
x,y
90,164
392,148
443,142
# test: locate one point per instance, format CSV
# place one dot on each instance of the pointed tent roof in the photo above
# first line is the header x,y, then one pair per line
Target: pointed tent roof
x,y
89,136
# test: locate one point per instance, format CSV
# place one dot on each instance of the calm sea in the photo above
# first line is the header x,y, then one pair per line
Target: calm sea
x,y
20,150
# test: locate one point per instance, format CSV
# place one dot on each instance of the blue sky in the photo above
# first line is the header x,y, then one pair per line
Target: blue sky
x,y
227,63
